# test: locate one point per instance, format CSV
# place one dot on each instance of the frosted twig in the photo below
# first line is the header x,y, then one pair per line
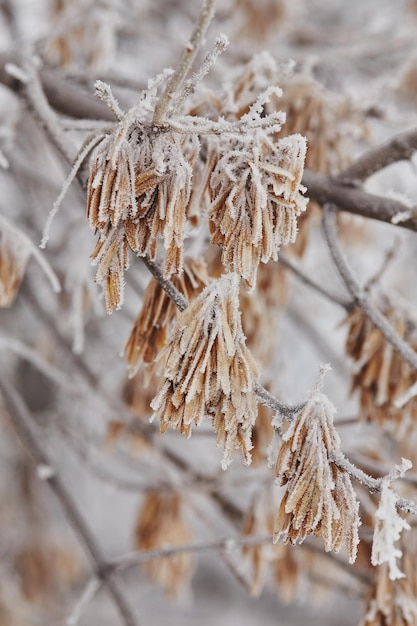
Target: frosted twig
x,y
22,421
88,594
104,92
131,559
287,410
374,485
190,86
203,126
176,296
190,52
358,293
84,152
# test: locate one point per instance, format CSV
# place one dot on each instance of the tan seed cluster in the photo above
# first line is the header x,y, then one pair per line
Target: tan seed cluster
x,y
209,370
161,523
393,603
256,199
138,189
382,377
319,498
150,330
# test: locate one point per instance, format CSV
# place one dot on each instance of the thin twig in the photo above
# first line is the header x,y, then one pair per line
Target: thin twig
x,y
132,559
358,293
374,485
187,59
88,594
26,431
176,296
388,258
63,96
346,304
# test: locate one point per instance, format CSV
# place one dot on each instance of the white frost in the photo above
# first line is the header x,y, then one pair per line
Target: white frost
x,y
387,532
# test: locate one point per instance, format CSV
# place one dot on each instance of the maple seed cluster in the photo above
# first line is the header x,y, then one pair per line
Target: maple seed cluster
x,y
319,498
209,370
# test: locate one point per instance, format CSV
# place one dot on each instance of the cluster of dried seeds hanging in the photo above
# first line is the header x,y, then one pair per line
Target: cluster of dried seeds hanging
x,y
138,189
256,199
209,370
161,523
150,329
319,498
381,376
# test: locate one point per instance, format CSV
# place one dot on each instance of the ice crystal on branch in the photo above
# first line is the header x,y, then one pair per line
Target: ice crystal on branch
x,y
209,370
319,498
388,526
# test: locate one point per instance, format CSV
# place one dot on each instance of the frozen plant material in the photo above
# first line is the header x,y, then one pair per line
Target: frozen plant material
x,y
209,370
393,603
161,523
261,18
256,199
257,522
382,377
138,189
388,527
262,311
329,122
150,330
319,498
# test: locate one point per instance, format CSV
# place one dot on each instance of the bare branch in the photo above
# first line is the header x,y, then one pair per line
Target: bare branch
x,y
381,322
62,95
190,52
22,422
324,189
399,148
346,304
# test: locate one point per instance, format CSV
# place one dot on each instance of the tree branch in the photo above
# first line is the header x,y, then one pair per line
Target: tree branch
x,y
399,148
62,95
327,190
359,295
22,422
345,304
188,56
